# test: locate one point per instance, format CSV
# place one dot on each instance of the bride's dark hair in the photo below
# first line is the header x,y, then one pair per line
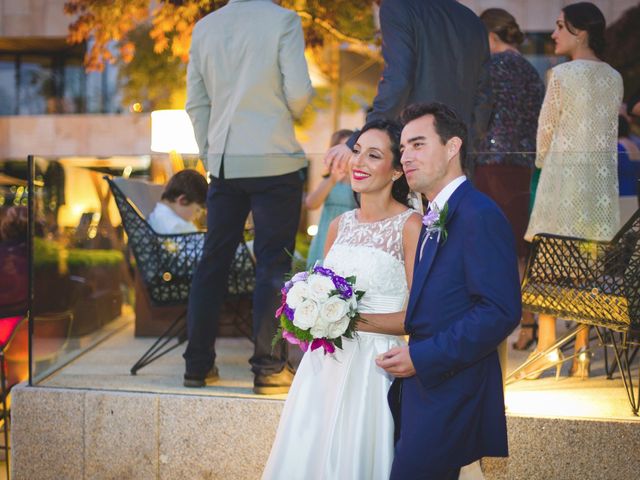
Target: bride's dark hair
x,y
400,188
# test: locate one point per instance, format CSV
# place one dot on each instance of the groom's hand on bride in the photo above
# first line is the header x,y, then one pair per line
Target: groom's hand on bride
x,y
397,362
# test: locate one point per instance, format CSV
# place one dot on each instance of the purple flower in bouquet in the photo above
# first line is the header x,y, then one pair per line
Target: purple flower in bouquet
x,y
288,311
327,272
342,286
299,277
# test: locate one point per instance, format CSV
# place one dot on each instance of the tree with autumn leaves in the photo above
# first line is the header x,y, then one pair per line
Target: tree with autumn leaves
x,y
153,38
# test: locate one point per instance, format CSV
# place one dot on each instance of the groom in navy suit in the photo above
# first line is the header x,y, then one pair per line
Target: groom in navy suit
x,y
447,398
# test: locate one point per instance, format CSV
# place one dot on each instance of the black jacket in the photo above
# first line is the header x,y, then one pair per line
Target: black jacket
x,y
434,50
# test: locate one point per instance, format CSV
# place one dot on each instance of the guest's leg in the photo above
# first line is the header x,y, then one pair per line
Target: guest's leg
x,y
546,338
276,204
546,331
227,210
582,339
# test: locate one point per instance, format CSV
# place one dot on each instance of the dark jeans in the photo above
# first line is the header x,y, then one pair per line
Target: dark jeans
x,y
275,203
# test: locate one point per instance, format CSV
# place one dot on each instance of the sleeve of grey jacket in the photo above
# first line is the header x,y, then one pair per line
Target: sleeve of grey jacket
x,y
293,65
399,56
198,102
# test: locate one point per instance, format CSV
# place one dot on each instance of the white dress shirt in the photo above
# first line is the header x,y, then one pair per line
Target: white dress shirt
x,y
164,220
441,199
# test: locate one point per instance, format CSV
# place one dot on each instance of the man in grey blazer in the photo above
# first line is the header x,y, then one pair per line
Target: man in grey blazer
x,y
246,81
433,50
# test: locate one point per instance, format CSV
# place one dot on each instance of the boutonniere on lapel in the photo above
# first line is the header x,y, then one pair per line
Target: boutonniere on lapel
x,y
435,219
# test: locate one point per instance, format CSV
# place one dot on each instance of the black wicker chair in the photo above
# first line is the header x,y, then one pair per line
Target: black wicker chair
x,y
166,264
593,283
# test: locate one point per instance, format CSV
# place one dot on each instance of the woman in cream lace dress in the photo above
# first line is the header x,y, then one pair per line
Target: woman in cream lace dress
x,y
577,147
336,423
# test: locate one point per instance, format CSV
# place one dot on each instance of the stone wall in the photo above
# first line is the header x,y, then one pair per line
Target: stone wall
x,y
33,18
77,135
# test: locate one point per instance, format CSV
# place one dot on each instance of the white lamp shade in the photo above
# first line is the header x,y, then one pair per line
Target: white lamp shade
x,y
172,131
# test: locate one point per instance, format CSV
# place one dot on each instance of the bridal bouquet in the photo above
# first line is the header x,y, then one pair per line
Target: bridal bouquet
x,y
318,308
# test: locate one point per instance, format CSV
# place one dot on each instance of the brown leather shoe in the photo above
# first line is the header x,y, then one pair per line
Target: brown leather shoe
x,y
273,384
198,381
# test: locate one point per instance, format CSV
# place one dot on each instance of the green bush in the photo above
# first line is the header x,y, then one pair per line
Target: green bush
x,y
47,253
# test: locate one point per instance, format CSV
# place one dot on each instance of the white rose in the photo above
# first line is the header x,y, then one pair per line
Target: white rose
x,y
306,314
338,328
297,294
333,309
320,286
320,329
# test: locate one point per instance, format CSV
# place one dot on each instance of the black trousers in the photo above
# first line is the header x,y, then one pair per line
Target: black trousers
x,y
275,203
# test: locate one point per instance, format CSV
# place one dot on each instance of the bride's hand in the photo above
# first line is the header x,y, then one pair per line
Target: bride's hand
x,y
397,362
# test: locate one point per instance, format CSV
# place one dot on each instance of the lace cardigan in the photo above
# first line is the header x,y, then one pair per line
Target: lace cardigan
x,y
577,150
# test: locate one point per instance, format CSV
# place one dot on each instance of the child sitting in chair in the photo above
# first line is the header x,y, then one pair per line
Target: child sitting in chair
x,y
182,200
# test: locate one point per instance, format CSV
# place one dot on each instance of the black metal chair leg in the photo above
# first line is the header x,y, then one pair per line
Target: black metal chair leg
x,y
623,361
176,331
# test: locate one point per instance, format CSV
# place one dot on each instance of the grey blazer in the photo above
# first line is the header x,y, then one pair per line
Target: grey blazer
x,y
434,50
247,79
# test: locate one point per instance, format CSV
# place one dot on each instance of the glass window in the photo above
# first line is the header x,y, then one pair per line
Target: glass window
x,y
75,92
7,85
37,85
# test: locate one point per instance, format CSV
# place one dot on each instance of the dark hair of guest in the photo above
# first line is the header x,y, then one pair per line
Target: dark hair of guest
x,y
586,16
624,130
503,24
340,135
400,188
189,183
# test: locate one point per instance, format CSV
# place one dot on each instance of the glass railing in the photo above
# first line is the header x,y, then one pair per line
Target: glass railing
x,y
62,239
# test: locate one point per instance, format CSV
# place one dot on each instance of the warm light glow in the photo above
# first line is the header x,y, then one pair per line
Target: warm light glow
x,y
136,107
312,230
78,209
171,131
553,356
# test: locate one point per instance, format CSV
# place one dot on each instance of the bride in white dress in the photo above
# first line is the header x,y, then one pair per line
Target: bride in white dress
x,y
336,423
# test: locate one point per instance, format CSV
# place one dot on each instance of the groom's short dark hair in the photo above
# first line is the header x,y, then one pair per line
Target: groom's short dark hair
x,y
447,123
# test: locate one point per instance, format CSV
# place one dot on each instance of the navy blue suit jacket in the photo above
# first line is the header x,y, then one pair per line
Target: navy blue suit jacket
x,y
464,301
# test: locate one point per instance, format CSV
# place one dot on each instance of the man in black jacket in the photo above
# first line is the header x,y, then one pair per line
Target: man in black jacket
x,y
433,50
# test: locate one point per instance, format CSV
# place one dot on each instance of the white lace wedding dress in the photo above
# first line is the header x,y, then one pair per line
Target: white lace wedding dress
x,y
336,422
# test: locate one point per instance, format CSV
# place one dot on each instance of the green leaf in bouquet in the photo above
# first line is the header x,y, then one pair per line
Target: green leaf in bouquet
x,y
351,279
359,294
338,342
298,332
276,338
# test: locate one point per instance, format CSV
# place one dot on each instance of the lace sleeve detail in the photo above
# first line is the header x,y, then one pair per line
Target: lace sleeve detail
x,y
549,118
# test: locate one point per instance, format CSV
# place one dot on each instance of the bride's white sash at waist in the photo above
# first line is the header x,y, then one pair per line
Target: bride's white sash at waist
x,y
382,304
